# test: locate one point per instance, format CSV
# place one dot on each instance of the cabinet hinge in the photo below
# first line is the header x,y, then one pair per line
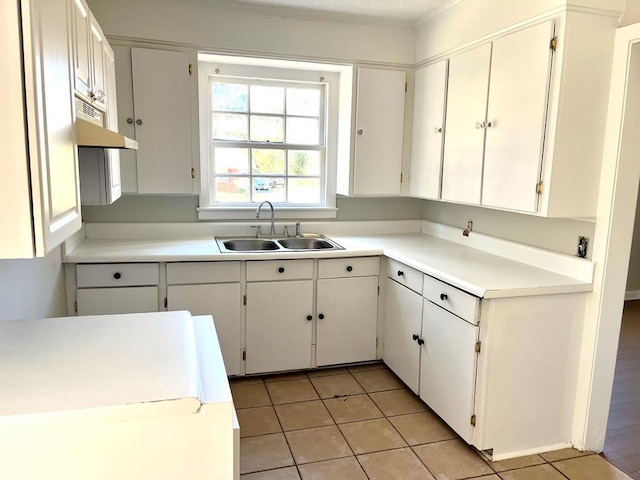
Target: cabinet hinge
x,y
473,420
405,87
401,177
553,44
166,303
244,299
378,290
539,188
75,307
478,346
190,69
244,355
193,173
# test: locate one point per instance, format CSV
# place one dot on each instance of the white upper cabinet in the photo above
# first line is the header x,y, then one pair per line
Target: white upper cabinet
x,y
376,166
154,101
466,116
40,188
428,130
516,116
98,75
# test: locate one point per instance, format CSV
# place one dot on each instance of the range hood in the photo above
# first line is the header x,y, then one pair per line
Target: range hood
x,y
90,131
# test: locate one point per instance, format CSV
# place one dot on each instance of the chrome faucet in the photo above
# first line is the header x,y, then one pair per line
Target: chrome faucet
x,y
272,230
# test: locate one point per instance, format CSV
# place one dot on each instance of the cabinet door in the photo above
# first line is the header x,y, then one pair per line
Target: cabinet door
x,y
448,367
126,125
347,320
53,159
402,320
106,301
379,132
428,130
278,333
222,301
114,184
97,94
162,99
81,50
518,94
466,112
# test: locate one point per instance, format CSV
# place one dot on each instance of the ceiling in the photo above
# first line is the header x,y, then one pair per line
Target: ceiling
x,y
385,11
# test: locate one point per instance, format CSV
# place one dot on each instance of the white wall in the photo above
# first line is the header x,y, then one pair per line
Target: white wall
x,y
32,288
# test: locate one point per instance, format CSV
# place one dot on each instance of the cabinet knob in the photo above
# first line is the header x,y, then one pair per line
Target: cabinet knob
x,y
437,130
360,132
488,124
400,273
420,341
138,122
117,275
129,120
281,270
309,317
349,268
321,316
415,337
479,125
443,296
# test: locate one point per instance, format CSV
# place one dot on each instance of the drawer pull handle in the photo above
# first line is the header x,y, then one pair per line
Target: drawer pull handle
x,y
309,317
117,275
443,296
400,273
321,316
349,268
281,270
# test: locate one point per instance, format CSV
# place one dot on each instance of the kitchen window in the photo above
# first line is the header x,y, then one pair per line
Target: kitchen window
x,y
269,131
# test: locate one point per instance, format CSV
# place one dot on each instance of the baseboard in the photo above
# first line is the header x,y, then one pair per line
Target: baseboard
x,y
632,295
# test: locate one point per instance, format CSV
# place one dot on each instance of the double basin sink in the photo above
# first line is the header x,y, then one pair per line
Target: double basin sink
x,y
286,244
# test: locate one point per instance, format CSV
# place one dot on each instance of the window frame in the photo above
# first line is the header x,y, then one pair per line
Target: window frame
x,y
335,78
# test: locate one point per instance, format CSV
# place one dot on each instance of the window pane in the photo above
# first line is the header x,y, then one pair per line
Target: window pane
x,y
229,126
232,189
267,129
304,190
230,97
267,99
304,162
303,131
231,160
303,101
268,161
262,190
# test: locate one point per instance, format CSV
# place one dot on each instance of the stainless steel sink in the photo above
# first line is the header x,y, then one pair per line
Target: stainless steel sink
x,y
257,245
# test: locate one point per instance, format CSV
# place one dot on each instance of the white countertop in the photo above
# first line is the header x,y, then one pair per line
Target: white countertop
x,y
475,271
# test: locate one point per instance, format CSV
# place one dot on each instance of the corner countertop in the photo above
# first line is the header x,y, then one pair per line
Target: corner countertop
x,y
483,274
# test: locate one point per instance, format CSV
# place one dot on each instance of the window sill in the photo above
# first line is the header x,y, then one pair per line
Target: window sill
x,y
281,213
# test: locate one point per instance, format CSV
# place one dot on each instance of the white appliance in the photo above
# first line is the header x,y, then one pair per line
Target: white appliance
x,y
136,396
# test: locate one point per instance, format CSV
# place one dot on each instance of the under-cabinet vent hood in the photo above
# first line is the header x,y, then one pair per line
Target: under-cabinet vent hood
x,y
90,131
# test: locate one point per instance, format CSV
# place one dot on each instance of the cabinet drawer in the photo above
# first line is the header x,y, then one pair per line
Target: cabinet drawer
x,y
450,298
279,270
117,274
349,267
405,275
108,301
202,272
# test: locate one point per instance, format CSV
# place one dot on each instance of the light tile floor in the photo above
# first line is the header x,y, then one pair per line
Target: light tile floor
x,y
362,423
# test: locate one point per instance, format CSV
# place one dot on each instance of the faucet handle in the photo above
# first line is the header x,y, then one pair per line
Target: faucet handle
x,y
258,231
286,230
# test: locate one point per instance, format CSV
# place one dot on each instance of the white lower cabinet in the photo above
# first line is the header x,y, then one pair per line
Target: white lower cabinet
x,y
279,325
107,301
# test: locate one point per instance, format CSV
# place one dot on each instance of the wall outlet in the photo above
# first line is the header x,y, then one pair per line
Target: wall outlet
x,y
583,245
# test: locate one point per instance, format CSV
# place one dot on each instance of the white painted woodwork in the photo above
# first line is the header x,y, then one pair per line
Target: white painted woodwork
x,y
518,93
124,87
221,301
348,331
402,320
81,50
52,161
162,99
451,298
117,274
114,180
427,138
278,335
467,91
404,275
271,270
379,130
98,75
105,301
348,267
448,367
203,272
